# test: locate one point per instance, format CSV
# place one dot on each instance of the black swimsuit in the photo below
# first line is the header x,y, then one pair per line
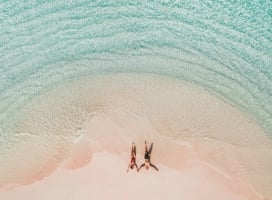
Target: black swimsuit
x,y
147,156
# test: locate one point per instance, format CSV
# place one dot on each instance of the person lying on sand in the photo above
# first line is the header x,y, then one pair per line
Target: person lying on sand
x,y
147,157
133,158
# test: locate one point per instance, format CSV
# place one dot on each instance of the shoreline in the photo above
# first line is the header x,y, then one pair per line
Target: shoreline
x,y
106,113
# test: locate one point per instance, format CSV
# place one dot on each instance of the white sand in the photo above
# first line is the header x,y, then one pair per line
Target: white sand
x,y
78,121
106,178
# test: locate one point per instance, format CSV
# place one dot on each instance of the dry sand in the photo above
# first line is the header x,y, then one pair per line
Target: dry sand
x,y
106,178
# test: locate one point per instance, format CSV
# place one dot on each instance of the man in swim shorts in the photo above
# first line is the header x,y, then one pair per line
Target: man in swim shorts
x,y
133,163
147,158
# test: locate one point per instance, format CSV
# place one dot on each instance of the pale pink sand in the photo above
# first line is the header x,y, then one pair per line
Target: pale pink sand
x,y
74,123
105,177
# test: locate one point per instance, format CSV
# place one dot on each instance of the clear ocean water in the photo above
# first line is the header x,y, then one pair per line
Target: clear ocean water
x,y
223,47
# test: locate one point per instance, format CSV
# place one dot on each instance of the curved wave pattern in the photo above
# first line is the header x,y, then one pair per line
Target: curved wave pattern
x,y
223,46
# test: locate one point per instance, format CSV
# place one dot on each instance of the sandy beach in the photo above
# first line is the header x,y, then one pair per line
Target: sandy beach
x,y
76,144
106,178
81,81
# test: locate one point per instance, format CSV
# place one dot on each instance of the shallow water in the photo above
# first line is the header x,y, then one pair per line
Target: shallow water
x,y
52,50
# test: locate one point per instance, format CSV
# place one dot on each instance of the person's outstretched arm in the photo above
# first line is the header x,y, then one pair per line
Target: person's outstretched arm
x,y
136,166
128,167
145,146
133,149
156,168
131,152
141,167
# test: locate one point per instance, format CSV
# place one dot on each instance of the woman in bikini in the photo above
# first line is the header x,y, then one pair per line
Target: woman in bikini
x,y
147,157
133,163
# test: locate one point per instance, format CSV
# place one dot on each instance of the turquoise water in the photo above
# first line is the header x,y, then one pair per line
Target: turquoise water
x,y
224,47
